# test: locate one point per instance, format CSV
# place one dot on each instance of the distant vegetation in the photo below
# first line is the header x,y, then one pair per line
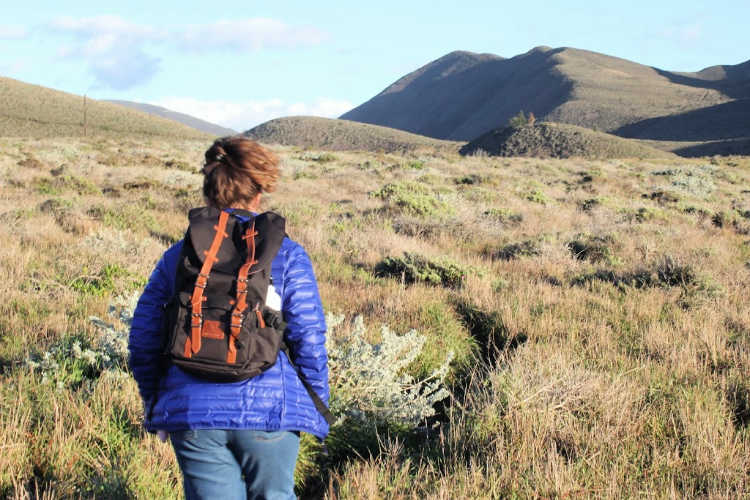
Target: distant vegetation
x,y
596,310
33,111
556,140
341,135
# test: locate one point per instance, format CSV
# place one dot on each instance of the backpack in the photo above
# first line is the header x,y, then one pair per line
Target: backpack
x,y
217,325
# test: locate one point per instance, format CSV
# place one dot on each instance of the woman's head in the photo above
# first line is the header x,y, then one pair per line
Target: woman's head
x,y
237,170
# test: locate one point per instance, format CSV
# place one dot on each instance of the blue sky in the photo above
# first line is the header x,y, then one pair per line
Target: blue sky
x,y
241,63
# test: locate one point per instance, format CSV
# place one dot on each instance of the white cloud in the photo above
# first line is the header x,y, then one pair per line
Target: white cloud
x,y
120,53
248,34
244,115
114,49
88,27
11,32
684,32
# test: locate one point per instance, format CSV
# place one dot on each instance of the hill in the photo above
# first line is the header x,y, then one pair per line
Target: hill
x,y
340,135
190,121
462,95
556,140
28,110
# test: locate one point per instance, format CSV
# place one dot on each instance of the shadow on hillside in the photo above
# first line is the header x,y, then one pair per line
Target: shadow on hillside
x,y
723,121
735,84
722,148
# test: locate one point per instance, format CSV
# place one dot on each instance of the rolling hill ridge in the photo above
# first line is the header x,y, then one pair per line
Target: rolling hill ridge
x,y
559,140
185,119
463,95
341,135
28,110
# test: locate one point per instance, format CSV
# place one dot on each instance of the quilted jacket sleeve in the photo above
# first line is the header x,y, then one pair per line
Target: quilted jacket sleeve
x,y
306,327
144,342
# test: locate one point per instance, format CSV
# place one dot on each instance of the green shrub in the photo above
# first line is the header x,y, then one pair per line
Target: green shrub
x,y
665,272
129,218
537,196
75,362
413,268
101,283
589,204
528,248
55,186
370,383
470,179
319,158
504,215
519,120
180,165
592,248
413,198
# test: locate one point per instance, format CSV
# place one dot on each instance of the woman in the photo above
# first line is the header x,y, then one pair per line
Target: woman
x,y
238,439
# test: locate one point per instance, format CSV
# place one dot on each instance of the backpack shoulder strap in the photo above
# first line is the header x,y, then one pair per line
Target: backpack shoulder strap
x,y
271,233
196,301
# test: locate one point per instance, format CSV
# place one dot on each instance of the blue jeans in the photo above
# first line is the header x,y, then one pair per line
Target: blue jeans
x,y
236,464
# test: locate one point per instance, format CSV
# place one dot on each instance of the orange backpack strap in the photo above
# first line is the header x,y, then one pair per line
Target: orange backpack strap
x,y
196,301
241,298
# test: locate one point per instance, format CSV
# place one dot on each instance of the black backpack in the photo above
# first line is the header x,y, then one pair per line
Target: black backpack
x,y
217,325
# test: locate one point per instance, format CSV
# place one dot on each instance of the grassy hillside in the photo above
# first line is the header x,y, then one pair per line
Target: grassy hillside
x,y
597,312
557,140
463,95
33,111
341,135
190,121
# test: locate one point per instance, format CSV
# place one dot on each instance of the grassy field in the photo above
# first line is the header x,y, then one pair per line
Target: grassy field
x,y
597,311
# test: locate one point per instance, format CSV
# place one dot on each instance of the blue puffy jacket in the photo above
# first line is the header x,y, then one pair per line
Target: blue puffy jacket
x,y
274,400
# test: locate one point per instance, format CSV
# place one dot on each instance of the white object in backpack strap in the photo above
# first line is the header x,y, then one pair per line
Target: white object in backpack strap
x,y
273,300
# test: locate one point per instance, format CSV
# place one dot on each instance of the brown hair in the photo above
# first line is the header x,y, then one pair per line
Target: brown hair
x,y
236,170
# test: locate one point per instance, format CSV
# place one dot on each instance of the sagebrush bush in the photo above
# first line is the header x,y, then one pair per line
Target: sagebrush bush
x,y
594,248
73,361
665,272
413,268
504,215
528,248
370,383
412,198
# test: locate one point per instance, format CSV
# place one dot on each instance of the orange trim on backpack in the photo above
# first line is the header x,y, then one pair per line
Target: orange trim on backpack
x,y
241,303
188,353
212,330
196,302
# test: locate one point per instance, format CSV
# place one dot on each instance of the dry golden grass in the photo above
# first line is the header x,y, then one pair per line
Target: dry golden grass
x,y
28,110
602,387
